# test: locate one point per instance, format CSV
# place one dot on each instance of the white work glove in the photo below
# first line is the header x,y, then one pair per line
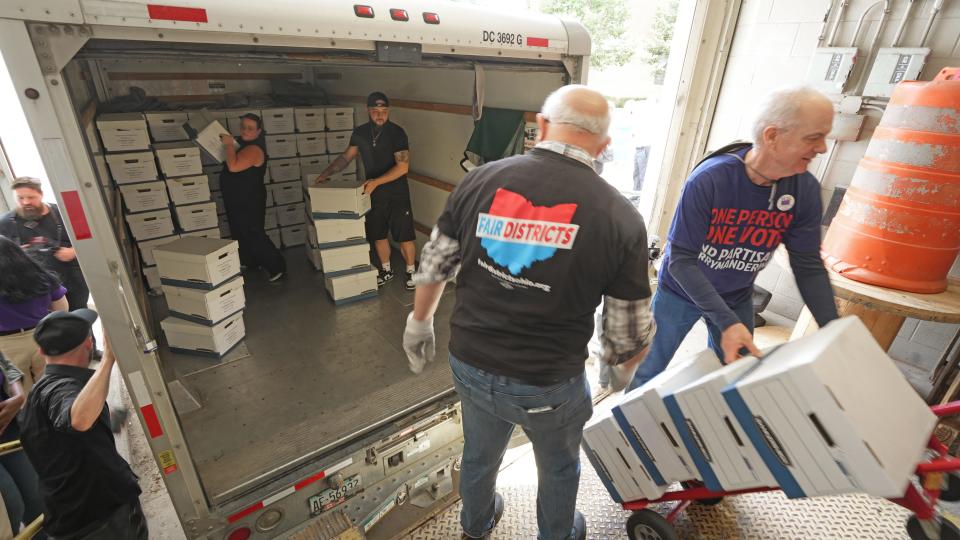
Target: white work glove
x,y
419,342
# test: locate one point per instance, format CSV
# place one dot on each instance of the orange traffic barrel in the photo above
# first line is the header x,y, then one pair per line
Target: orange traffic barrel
x,y
898,225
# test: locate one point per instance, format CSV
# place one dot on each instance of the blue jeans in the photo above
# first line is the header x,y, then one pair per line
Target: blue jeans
x,y
675,316
551,416
20,486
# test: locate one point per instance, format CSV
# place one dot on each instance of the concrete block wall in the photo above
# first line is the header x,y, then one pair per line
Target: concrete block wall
x,y
772,47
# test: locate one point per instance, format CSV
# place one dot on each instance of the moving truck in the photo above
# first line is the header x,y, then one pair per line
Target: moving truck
x,y
313,423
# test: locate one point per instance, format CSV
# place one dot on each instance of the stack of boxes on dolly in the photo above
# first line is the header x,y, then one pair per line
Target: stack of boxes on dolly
x,y
826,414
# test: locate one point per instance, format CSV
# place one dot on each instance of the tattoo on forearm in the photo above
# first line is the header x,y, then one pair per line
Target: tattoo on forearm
x,y
338,165
402,156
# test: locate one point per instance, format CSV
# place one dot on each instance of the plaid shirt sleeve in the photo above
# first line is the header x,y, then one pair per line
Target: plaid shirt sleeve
x,y
627,329
439,260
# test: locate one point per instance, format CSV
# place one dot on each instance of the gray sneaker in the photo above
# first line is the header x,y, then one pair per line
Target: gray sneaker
x,y
383,277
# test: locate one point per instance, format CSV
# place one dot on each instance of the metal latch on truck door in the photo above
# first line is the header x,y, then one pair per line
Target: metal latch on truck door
x,y
146,344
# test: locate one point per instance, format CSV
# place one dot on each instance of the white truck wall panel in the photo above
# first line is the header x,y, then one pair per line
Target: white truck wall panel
x,y
189,189
144,197
722,452
206,307
194,338
281,146
199,263
287,193
351,287
179,158
132,167
195,217
831,413
278,120
310,119
166,126
150,225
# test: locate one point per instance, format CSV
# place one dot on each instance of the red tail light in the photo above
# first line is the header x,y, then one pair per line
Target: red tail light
x,y
363,11
240,534
399,15
431,18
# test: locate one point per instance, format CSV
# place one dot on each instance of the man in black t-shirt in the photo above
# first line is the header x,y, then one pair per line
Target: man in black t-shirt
x,y
39,228
385,152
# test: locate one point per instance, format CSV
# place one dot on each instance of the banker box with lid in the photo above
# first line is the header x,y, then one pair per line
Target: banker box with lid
x,y
309,119
339,232
281,146
179,158
615,462
123,132
278,120
270,218
294,235
150,225
338,199
195,217
352,287
311,144
190,337
213,232
338,141
189,189
132,167
146,248
166,126
144,197
203,306
339,118
346,259
200,263
284,170
290,214
287,192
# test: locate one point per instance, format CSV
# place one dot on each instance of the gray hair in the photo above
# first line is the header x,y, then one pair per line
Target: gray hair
x,y
782,109
558,110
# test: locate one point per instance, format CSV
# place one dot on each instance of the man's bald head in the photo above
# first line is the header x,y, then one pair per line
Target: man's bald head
x,y
576,115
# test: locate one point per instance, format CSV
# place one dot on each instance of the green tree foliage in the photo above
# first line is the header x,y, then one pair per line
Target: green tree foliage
x,y
657,49
606,20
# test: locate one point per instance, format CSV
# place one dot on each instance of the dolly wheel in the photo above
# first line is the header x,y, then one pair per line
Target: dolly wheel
x,y
649,525
948,531
951,488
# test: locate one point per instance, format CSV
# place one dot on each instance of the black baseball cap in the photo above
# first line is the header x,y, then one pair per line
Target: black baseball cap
x,y
63,331
378,99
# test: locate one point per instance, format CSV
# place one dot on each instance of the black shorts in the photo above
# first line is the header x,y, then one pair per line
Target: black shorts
x,y
391,215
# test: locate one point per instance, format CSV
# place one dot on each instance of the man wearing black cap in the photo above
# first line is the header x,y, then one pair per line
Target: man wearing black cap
x,y
88,490
383,147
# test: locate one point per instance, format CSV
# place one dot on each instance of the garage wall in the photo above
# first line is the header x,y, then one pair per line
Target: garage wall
x,y
773,44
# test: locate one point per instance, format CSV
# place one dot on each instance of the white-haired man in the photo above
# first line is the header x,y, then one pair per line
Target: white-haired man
x,y
538,240
736,208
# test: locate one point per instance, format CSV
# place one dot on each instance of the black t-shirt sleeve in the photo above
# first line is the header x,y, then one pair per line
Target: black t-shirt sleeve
x,y
401,142
632,280
355,137
58,408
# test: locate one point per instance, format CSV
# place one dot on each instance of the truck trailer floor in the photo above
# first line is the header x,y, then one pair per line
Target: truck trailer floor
x,y
308,376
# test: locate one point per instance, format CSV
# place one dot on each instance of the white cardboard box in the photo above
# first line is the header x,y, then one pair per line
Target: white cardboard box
x,y
146,248
313,164
278,120
294,235
206,307
274,236
339,232
831,413
144,197
644,418
345,259
234,121
189,189
338,199
152,275
150,225
179,158
123,132
290,214
194,217
619,469
200,263
287,193
167,126
193,338
281,146
310,119
311,144
270,218
352,287
132,167
720,449
313,255
270,202
338,118
338,141
212,172
205,233
284,170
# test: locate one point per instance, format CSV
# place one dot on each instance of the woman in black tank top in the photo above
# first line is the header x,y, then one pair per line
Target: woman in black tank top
x,y
245,197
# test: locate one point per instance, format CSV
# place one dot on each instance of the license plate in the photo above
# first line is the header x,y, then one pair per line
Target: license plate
x,y
330,498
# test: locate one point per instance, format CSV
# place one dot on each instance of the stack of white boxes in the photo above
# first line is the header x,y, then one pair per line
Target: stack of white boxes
x,y
204,292
133,167
827,414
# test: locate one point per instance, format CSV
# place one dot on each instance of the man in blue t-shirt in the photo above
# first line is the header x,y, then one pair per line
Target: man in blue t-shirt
x,y
734,210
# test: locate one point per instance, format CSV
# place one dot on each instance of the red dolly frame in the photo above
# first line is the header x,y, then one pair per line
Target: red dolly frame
x,y
921,502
